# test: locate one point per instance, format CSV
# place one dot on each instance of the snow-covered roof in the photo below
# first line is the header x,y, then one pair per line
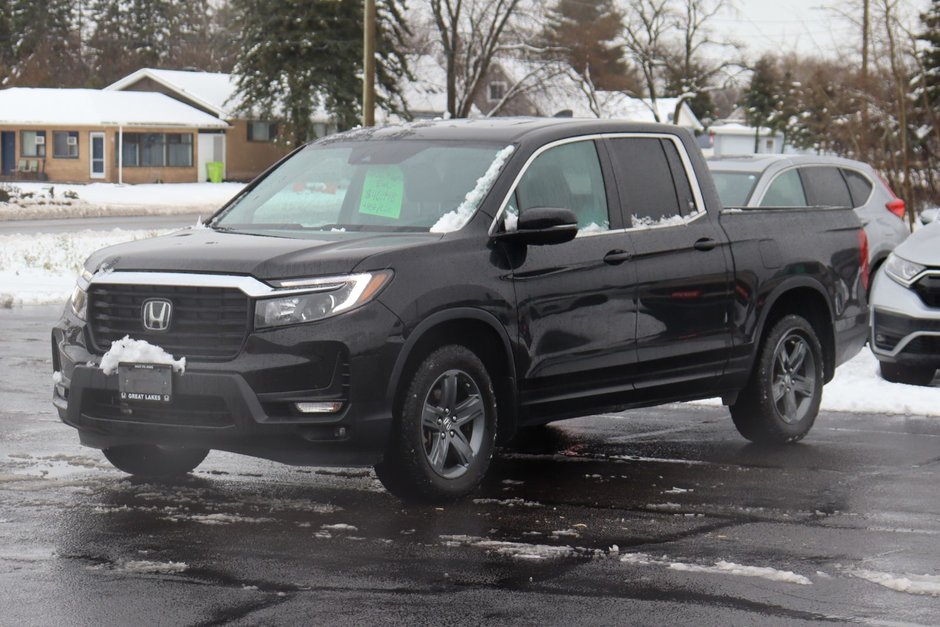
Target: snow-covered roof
x,y
214,91
211,90
30,106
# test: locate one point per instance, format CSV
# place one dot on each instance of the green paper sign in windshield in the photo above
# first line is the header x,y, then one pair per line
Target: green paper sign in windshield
x,y
382,192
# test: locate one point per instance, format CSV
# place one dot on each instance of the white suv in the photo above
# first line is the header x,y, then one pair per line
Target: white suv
x,y
905,310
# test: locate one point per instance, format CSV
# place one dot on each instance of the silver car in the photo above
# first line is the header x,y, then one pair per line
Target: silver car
x,y
905,310
776,180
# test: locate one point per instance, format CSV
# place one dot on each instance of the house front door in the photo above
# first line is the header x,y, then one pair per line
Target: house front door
x,y
7,152
96,145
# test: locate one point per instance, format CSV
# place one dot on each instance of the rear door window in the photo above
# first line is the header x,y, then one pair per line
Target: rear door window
x,y
786,190
646,181
859,186
825,187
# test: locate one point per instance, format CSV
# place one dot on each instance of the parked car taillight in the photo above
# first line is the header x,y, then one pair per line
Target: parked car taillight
x,y
896,207
863,254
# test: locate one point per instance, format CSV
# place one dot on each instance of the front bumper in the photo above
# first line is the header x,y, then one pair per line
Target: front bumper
x,y
904,329
246,404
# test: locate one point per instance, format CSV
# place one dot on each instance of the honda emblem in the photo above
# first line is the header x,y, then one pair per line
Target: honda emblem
x,y
156,314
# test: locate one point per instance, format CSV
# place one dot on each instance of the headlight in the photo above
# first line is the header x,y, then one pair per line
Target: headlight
x,y
316,299
78,301
902,270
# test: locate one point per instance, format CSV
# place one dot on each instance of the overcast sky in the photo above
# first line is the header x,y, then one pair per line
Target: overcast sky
x,y
808,26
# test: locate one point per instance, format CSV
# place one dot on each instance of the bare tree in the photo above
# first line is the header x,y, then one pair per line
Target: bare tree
x,y
647,24
470,35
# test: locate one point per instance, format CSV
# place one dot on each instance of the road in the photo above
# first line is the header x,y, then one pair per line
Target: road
x,y
104,223
662,516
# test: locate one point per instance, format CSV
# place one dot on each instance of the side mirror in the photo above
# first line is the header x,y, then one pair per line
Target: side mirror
x,y
540,226
929,215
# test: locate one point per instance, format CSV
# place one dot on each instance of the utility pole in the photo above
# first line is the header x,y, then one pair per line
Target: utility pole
x,y
368,64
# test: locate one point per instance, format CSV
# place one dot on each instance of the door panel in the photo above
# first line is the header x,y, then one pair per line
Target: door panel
x,y
682,263
576,311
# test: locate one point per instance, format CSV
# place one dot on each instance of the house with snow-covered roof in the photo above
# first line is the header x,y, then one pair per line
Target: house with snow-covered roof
x,y
249,144
88,135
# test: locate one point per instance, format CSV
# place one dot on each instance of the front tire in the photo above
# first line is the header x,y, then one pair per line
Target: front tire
x,y
911,375
444,435
782,398
150,460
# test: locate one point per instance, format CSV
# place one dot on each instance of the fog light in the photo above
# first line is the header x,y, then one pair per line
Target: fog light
x,y
330,407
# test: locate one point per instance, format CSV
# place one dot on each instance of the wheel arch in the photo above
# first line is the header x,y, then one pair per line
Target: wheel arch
x,y
806,298
482,333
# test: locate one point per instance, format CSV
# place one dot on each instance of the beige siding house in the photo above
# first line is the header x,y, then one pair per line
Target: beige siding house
x,y
86,135
249,144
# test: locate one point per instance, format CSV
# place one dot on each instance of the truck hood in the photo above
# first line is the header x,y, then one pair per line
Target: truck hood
x,y
922,246
263,257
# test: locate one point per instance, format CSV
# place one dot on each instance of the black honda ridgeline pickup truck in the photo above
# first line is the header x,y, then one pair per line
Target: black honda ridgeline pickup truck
x,y
404,297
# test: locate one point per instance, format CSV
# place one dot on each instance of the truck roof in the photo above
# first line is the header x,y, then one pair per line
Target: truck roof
x,y
502,129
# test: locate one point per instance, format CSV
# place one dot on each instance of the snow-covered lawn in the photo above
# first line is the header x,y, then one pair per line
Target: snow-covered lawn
x,y
41,268
55,200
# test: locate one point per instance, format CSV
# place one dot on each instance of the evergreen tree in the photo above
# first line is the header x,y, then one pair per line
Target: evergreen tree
x,y
45,43
586,32
6,42
300,55
761,99
172,34
930,56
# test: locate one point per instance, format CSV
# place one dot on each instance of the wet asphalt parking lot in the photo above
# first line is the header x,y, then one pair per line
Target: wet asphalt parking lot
x,y
660,516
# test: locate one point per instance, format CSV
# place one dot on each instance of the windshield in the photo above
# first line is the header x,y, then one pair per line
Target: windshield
x,y
403,185
735,188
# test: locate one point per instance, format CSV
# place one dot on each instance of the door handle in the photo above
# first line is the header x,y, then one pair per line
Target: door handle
x,y
616,257
704,244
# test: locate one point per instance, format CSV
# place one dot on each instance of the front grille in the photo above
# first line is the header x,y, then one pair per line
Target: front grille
x,y
928,288
207,322
185,411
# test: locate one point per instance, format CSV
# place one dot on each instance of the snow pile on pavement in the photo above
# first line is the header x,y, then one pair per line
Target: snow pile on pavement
x,y
41,268
721,567
139,352
730,568
912,584
456,219
859,388
514,550
55,200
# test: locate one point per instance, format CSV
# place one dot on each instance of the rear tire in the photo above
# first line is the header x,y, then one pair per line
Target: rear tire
x,y
911,375
150,460
781,400
444,434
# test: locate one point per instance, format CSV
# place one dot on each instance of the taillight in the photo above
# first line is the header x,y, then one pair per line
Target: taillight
x,y
896,207
863,261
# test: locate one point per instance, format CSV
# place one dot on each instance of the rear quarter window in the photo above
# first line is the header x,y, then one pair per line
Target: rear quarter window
x,y
859,187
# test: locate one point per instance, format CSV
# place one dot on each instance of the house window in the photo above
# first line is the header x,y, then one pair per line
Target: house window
x,y
65,144
262,131
33,143
497,91
157,150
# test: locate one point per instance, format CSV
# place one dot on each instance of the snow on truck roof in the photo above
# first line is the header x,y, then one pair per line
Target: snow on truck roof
x,y
29,106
